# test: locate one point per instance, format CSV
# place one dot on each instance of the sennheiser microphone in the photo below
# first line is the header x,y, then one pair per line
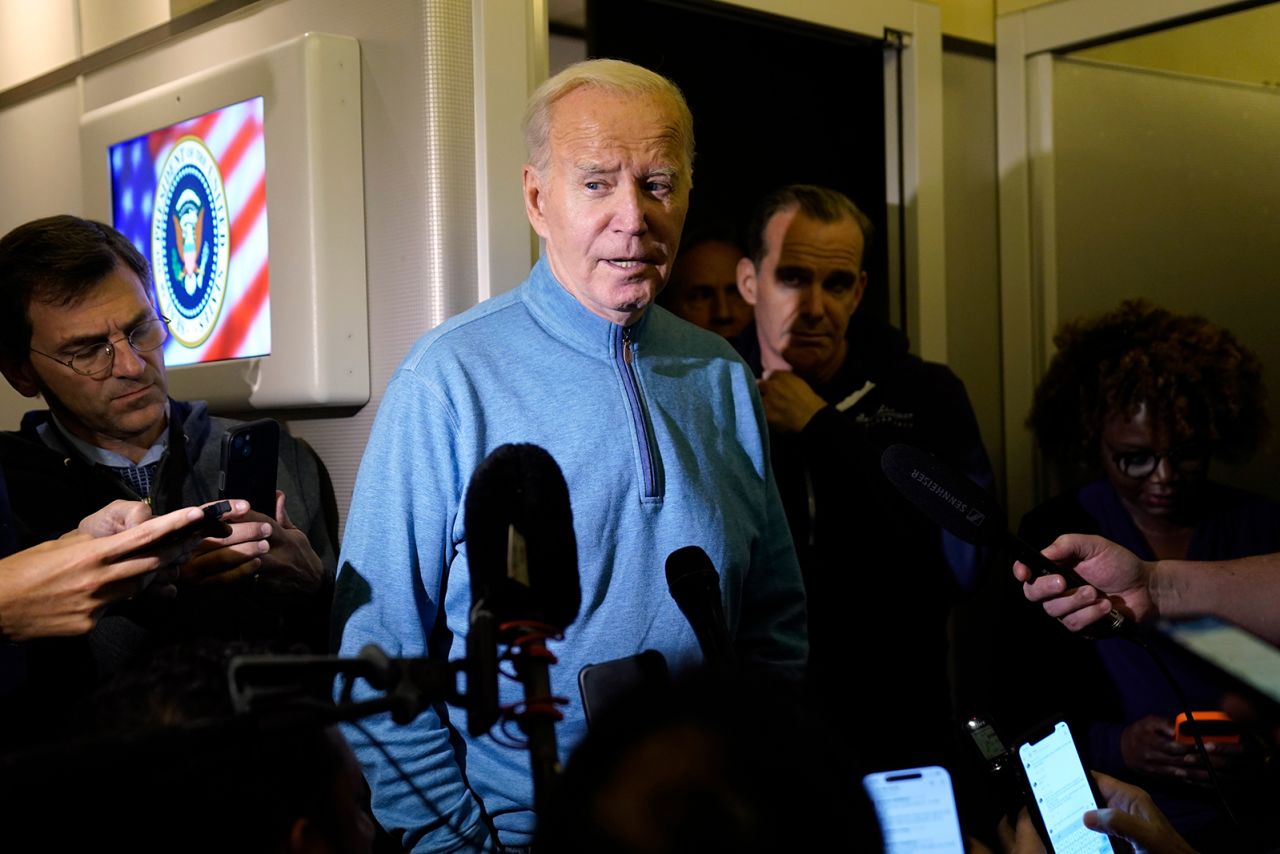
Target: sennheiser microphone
x,y
959,505
523,557
695,585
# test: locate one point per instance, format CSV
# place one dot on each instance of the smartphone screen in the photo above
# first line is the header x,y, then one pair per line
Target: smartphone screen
x,y
1062,793
917,810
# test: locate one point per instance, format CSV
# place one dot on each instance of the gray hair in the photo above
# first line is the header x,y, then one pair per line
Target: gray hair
x,y
820,203
611,75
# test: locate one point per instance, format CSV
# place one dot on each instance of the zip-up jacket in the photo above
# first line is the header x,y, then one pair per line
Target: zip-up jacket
x,y
660,434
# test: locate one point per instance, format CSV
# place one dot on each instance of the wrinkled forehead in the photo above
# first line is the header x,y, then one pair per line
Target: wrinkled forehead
x,y
801,238
591,121
119,297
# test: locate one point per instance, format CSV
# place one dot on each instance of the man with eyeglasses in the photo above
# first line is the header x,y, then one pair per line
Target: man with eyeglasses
x,y
78,327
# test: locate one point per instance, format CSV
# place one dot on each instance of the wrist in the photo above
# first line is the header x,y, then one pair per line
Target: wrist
x,y
1163,587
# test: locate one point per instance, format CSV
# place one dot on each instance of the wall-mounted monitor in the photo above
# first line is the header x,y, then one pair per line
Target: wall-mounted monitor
x,y
243,186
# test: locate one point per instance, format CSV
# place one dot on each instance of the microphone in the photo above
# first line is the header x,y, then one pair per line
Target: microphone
x,y
958,505
695,585
524,588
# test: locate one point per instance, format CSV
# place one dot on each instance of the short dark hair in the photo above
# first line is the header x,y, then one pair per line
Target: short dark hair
x,y
822,203
56,260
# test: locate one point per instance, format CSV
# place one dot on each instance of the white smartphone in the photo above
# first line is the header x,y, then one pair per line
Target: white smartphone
x,y
916,808
1061,791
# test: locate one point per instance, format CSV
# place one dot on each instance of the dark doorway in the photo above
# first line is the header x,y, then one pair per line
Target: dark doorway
x,y
774,102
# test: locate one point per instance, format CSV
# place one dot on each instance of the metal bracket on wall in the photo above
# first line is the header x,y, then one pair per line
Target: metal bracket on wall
x,y
897,39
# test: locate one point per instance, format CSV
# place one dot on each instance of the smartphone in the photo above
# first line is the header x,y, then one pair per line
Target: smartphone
x,y
1060,791
916,808
208,525
601,685
249,453
988,744
1213,727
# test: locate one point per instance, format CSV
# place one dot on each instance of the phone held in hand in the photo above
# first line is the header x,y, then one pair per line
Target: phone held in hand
x,y
1060,791
249,454
210,524
916,808
1214,728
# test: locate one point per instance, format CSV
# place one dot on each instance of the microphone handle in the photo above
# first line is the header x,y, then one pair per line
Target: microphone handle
x,y
717,648
538,722
1112,623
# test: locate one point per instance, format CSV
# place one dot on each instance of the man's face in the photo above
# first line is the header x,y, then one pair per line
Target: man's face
x,y
704,286
611,202
807,287
123,405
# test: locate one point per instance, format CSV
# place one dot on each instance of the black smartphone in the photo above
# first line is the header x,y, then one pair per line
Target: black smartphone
x,y
1004,780
988,744
916,808
1059,790
208,525
603,684
249,453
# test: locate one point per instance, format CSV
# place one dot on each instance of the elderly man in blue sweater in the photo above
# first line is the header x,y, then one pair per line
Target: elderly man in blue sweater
x,y
656,425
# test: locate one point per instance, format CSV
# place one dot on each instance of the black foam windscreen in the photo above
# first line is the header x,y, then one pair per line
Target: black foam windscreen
x,y
533,573
955,503
963,508
691,574
695,587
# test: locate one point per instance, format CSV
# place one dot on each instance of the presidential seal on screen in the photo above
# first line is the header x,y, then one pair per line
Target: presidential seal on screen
x,y
190,236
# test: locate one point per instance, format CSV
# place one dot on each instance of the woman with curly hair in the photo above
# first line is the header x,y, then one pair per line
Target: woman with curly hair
x,y
1149,396
1143,398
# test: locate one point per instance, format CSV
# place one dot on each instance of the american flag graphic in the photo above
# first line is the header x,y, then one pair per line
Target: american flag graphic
x,y
234,135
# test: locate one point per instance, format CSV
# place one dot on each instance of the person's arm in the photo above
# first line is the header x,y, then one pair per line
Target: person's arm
x,y
398,545
1241,591
773,631
61,586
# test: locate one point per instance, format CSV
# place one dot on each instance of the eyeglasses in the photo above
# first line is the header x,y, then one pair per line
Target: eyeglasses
x,y
96,360
1138,464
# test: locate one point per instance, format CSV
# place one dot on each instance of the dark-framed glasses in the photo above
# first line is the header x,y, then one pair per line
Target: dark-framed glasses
x,y
97,359
1141,462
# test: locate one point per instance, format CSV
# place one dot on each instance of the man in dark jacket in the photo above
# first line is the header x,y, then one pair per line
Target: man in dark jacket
x,y
837,389
78,326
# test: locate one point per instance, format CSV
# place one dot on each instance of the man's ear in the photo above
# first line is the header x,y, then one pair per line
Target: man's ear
x,y
20,375
304,838
533,198
747,281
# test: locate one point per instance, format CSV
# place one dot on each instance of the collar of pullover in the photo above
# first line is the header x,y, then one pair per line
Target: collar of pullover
x,y
560,313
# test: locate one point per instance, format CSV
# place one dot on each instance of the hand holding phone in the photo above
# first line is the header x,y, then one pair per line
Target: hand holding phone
x,y
209,524
1213,727
1059,790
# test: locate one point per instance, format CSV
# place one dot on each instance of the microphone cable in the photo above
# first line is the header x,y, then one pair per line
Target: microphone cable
x,y
530,630
1137,639
435,811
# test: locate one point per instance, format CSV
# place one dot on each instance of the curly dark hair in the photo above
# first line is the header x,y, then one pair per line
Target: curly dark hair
x,y
1196,380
